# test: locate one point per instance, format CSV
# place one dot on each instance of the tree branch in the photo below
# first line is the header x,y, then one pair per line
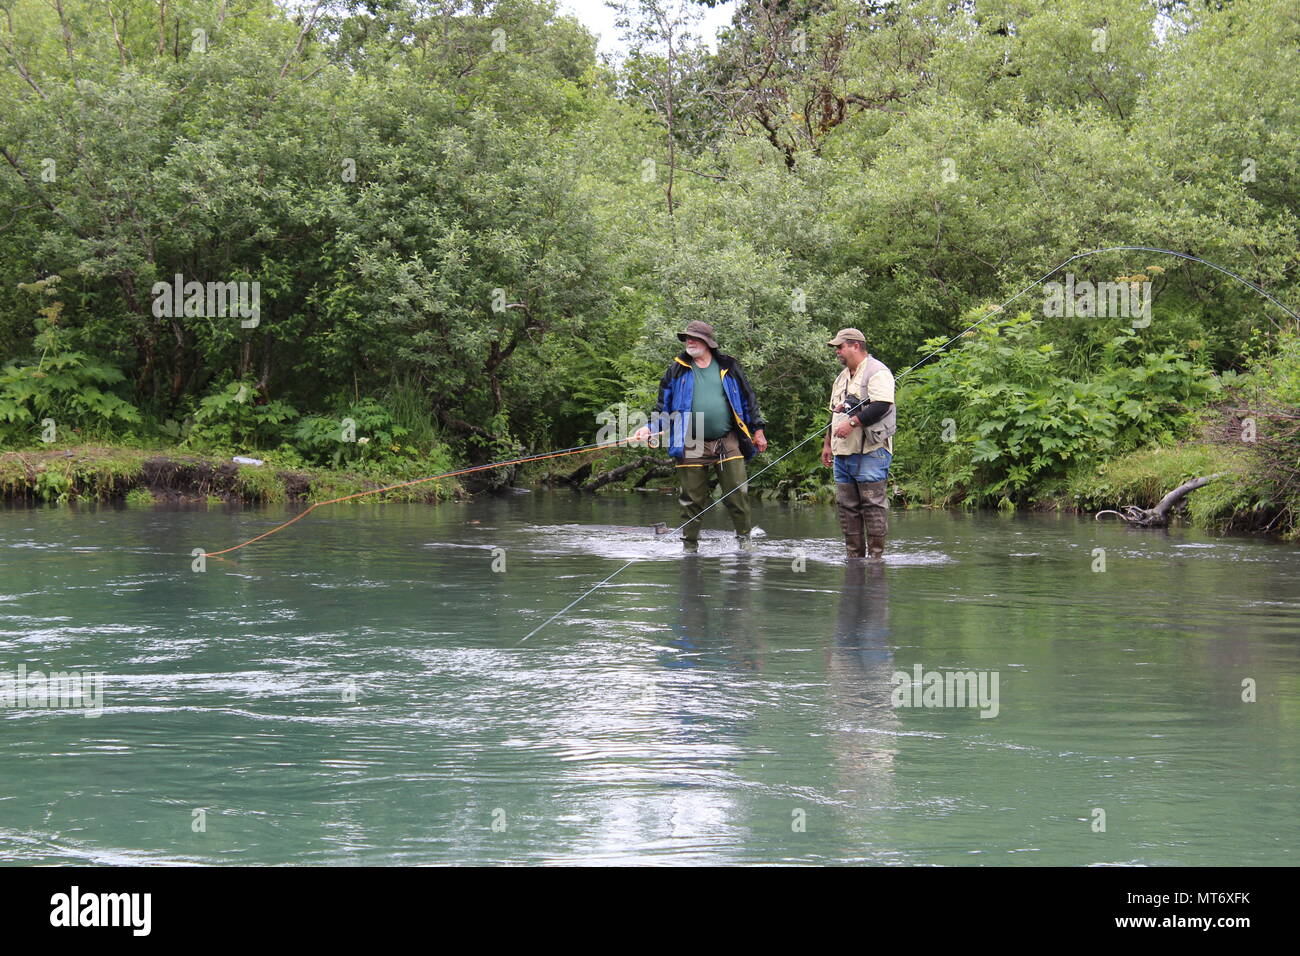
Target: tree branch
x,y
308,23
22,70
1158,516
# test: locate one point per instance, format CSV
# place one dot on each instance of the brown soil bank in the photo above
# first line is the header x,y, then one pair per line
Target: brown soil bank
x,y
95,473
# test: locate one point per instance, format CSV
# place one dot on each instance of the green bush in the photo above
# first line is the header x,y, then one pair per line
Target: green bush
x,y
231,419
998,416
139,497
66,386
53,483
364,432
1268,397
372,439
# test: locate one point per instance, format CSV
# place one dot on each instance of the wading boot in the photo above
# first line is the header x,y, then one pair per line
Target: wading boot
x,y
690,547
743,543
850,511
875,515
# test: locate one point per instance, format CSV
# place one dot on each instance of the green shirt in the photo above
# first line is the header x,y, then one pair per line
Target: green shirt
x,y
708,400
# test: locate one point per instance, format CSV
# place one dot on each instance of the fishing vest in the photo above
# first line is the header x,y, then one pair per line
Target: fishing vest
x,y
879,435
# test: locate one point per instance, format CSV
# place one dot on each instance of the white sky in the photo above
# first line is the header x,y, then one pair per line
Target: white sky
x,y
599,19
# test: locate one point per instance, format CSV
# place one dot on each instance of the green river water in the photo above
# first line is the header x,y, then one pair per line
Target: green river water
x,y
355,690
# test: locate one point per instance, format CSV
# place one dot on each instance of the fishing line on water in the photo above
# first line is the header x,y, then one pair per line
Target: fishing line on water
x,y
821,428
416,481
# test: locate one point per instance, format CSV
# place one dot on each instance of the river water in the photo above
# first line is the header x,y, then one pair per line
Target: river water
x,y
356,689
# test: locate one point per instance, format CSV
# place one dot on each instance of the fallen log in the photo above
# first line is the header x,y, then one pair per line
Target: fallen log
x,y
614,474
578,476
661,471
1158,516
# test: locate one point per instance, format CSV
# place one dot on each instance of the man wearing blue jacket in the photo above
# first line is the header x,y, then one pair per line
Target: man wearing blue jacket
x,y
714,426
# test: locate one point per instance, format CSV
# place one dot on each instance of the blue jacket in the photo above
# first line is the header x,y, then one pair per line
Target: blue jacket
x,y
677,391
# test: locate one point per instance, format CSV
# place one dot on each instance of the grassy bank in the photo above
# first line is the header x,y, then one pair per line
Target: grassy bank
x,y
1238,501
141,476
1242,501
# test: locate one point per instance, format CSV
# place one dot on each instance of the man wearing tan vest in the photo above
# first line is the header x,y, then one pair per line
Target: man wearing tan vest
x,y
860,445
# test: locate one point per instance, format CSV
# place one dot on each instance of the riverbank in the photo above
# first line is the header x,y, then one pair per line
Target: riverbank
x,y
1237,502
63,474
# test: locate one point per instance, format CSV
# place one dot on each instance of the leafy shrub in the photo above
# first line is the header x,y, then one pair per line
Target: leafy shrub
x,y
139,497
232,419
365,431
391,441
53,483
1268,400
65,385
997,415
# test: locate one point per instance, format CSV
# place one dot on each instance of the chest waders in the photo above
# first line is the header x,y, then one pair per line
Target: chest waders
x,y
875,516
863,506
721,462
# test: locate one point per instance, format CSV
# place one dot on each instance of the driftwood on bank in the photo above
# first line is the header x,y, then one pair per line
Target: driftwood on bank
x,y
1158,516
583,480
614,474
659,471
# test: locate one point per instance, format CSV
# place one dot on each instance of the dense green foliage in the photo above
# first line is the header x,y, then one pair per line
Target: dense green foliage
x,y
62,385
472,234
1005,413
1262,428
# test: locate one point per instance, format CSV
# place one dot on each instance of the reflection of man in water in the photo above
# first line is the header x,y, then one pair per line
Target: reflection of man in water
x,y
860,669
862,650
718,622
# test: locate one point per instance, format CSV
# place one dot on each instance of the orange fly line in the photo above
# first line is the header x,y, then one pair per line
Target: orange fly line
x,y
416,481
